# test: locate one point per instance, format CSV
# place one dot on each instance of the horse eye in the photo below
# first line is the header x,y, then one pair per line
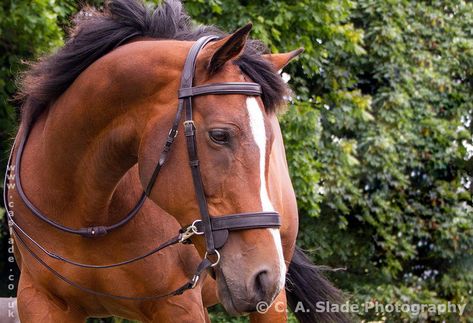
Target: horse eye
x,y
219,136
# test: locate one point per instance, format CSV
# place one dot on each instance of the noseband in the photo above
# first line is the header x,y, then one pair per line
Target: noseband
x,y
215,229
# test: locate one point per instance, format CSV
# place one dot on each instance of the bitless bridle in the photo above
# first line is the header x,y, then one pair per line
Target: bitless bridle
x,y
215,229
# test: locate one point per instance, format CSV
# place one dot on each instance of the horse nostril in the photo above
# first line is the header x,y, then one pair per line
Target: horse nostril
x,y
262,285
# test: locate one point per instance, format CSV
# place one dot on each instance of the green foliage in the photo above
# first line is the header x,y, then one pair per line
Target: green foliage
x,y
375,134
27,29
396,209
375,139
302,130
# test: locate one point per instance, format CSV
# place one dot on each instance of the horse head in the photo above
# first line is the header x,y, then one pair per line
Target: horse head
x,y
235,136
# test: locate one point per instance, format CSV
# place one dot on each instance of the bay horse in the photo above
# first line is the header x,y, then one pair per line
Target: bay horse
x,y
94,121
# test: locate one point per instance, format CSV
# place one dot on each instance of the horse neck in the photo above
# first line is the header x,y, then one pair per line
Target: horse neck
x,y
89,139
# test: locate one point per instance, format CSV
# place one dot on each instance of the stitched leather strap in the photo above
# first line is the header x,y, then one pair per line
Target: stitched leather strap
x,y
166,149
189,130
205,264
17,229
186,81
221,88
221,225
244,221
89,232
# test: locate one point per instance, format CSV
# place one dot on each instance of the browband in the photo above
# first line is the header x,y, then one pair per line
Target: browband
x,y
221,88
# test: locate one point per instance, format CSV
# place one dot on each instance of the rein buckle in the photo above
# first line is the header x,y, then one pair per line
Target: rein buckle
x,y
194,281
189,232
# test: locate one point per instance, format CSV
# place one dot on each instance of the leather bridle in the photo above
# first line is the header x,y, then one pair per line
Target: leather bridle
x,y
215,229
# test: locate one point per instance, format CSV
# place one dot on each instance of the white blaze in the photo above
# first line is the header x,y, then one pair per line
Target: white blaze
x,y
259,135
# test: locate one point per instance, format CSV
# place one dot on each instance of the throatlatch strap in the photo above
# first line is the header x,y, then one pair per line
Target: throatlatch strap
x,y
186,82
89,232
166,149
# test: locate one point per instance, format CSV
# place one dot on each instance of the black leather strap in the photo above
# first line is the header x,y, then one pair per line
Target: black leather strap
x,y
221,88
189,130
186,81
165,152
243,221
17,229
89,232
198,185
205,264
221,225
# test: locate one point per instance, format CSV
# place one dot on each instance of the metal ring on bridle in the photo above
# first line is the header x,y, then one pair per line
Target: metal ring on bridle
x,y
218,258
193,227
189,232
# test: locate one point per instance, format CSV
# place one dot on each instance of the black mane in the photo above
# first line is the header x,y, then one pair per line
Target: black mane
x,y
96,33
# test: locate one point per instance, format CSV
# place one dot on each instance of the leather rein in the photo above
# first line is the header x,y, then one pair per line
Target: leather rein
x,y
215,229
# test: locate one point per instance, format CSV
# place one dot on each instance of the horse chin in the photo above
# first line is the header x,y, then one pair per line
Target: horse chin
x,y
231,300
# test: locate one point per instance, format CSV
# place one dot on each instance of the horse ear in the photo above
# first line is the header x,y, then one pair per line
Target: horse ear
x,y
279,61
227,48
